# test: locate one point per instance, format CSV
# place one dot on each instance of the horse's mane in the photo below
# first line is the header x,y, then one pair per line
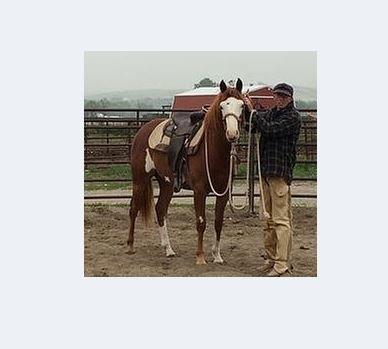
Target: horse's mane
x,y
213,119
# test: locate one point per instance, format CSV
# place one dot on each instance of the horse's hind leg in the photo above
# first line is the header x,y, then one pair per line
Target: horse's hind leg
x,y
165,194
133,211
200,203
220,209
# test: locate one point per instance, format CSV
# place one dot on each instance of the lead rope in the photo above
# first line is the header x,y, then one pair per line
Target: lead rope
x,y
265,212
233,155
231,203
208,172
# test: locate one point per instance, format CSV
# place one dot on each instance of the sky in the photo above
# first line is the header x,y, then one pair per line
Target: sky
x,y
109,71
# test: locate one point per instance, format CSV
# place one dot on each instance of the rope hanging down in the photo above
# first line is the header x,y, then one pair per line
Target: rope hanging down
x,y
233,156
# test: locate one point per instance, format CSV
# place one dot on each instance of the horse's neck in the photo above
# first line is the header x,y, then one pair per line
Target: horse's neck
x,y
218,146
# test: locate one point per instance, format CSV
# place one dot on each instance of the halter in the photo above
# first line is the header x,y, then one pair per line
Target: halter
x,y
238,118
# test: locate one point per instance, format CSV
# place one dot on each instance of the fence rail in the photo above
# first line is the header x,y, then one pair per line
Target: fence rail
x,y
126,162
107,142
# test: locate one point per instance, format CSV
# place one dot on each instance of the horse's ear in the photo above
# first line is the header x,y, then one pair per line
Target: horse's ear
x,y
223,86
239,85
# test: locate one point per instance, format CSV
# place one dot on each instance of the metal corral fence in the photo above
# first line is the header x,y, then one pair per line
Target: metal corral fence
x,y
108,135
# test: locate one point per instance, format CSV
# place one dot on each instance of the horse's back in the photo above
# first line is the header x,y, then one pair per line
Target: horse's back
x,y
140,141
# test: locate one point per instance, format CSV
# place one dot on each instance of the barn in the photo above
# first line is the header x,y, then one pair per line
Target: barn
x,y
195,99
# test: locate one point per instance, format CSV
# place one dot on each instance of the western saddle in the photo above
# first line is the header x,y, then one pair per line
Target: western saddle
x,y
178,137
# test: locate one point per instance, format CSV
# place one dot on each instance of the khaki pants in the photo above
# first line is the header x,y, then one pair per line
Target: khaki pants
x,y
278,231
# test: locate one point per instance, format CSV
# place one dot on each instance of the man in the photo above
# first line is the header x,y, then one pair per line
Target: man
x,y
279,129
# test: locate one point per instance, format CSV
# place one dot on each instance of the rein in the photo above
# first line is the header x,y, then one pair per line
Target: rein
x,y
233,156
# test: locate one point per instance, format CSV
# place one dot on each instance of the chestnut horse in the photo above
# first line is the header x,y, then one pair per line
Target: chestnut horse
x,y
221,128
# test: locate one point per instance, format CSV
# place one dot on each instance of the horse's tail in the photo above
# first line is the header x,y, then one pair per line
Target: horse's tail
x,y
147,205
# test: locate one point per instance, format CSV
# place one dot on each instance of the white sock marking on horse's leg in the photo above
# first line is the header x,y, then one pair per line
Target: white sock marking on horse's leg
x,y
149,163
165,240
216,252
163,234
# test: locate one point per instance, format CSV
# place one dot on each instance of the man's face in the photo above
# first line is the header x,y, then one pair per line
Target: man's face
x,y
281,100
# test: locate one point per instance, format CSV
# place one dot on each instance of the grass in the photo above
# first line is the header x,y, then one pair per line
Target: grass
x,y
242,170
107,172
305,170
124,171
300,170
115,204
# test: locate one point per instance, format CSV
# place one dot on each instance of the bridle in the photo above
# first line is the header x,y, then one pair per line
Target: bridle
x,y
238,118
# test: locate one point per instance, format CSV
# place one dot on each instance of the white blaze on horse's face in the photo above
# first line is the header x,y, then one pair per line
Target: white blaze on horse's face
x,y
231,110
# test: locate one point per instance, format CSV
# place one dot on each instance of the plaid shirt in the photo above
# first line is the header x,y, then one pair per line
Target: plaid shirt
x,y
279,133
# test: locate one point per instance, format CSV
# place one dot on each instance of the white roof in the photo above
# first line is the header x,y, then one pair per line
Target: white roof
x,y
206,91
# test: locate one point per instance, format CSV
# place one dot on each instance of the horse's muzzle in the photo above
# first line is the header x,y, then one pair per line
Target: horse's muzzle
x,y
232,137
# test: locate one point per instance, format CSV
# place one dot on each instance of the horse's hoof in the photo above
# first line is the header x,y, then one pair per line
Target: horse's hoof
x,y
218,260
200,261
217,257
170,253
130,250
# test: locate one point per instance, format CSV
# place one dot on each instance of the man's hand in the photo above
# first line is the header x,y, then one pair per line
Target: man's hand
x,y
248,102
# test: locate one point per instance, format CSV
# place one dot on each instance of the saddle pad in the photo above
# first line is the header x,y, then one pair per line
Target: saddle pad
x,y
156,136
196,139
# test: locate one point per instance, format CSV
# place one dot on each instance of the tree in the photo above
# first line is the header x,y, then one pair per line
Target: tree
x,y
206,82
303,104
104,103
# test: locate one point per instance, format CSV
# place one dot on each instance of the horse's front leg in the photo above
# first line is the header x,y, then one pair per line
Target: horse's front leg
x,y
218,222
199,204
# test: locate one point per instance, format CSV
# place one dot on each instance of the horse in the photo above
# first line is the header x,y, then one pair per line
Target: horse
x,y
222,124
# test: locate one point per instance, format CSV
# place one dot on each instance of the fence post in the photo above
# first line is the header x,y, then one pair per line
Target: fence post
x,y
252,176
85,141
107,137
129,140
305,141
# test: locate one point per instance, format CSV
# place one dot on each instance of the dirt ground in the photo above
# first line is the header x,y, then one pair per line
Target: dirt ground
x,y
106,228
